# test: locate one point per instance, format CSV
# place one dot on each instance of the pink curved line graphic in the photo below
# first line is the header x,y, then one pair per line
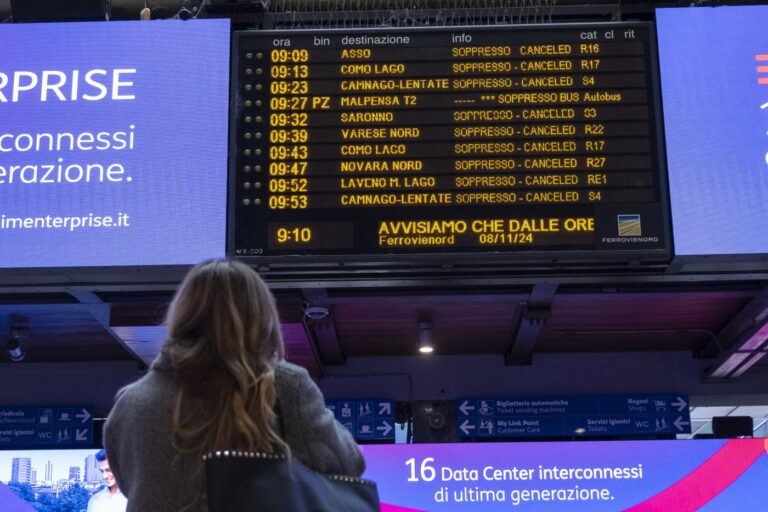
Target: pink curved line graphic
x,y
394,508
709,479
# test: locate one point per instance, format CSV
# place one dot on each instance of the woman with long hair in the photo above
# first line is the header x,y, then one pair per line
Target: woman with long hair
x,y
215,386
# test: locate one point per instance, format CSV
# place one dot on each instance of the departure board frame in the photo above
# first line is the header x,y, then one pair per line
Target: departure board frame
x,y
288,180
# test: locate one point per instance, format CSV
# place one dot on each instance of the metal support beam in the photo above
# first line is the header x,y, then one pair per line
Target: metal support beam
x,y
318,321
747,337
95,305
532,315
102,312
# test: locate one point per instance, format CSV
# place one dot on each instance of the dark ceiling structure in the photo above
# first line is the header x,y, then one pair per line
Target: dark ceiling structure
x,y
721,318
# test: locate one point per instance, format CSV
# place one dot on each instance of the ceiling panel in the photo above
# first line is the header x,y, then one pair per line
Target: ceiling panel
x,y
460,325
638,321
142,340
370,322
755,411
707,413
701,417
145,341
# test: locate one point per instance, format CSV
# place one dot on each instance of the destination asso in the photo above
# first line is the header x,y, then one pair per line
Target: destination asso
x,y
464,51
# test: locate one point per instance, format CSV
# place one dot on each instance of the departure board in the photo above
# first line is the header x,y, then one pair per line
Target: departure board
x,y
534,140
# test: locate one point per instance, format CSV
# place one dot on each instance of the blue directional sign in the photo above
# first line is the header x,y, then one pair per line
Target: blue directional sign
x,y
588,415
365,419
46,426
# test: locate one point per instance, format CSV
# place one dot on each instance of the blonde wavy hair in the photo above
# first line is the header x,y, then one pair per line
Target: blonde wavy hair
x,y
223,339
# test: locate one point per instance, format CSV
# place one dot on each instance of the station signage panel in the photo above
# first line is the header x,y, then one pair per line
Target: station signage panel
x,y
509,140
55,426
371,419
588,415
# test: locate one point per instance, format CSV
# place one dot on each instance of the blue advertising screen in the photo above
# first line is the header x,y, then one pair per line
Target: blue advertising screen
x,y
714,80
705,475
113,143
638,476
50,480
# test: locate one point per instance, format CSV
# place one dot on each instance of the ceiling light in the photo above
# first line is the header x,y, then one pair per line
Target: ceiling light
x,y
425,338
15,350
317,312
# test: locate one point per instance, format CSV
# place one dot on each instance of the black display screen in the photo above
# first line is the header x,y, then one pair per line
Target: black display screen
x,y
529,140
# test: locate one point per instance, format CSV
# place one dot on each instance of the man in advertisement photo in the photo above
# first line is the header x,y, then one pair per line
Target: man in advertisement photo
x,y
109,499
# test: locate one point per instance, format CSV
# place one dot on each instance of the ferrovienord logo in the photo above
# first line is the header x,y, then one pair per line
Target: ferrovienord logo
x,y
629,225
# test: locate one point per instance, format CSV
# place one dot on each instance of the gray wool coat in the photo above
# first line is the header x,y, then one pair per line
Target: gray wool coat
x,y
154,477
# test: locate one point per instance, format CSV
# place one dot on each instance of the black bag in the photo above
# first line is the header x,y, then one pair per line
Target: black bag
x,y
260,482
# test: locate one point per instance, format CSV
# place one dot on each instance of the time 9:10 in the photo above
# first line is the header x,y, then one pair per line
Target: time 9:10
x,y
300,235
